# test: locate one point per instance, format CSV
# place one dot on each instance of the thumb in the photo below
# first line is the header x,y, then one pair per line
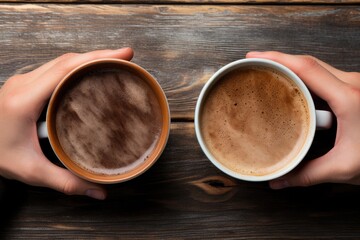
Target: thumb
x,y
316,171
322,82
64,181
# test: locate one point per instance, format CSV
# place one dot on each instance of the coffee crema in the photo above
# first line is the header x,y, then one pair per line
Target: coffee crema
x,y
108,122
254,121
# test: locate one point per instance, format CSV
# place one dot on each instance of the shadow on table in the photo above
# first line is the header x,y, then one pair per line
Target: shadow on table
x,y
12,198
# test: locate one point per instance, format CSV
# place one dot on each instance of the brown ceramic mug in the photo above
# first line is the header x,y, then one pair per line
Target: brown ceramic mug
x,y
107,121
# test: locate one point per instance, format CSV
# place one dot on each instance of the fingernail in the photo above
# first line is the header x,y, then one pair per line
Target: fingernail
x,y
124,48
279,184
95,193
254,53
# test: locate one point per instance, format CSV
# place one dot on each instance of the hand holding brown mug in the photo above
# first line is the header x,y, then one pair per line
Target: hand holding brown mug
x,y
341,90
22,98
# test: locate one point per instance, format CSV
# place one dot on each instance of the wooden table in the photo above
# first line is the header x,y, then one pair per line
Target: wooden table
x,y
182,43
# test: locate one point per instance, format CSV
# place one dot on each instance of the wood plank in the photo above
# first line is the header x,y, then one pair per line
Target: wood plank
x,y
190,1
184,196
181,45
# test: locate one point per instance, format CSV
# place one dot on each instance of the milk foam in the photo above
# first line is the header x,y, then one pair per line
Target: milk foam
x,y
254,121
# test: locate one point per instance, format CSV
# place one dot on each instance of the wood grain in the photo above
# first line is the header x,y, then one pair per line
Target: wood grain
x,y
181,45
184,196
190,1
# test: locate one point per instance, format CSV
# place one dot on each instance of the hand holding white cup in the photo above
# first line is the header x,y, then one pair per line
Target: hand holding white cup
x,y
255,119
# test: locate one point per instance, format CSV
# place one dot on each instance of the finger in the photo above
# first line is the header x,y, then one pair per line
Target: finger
x,y
64,181
316,77
34,74
338,73
52,74
351,78
317,171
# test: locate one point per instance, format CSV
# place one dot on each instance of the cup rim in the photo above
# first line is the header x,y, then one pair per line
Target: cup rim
x,y
282,69
143,167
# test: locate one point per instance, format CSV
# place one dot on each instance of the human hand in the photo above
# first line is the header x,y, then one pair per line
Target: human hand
x,y
22,99
341,90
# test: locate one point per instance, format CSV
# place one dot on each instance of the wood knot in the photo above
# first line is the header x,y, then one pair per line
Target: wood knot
x,y
215,185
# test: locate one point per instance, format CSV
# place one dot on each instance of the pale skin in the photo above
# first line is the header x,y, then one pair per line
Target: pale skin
x,y
22,99
341,90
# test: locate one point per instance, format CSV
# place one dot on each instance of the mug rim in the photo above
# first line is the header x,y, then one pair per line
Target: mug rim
x,y
138,170
295,79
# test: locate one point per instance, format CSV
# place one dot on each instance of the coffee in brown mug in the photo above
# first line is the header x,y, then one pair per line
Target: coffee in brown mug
x,y
108,121
255,119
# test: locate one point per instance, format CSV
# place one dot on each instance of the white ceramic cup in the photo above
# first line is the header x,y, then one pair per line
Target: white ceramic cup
x,y
319,119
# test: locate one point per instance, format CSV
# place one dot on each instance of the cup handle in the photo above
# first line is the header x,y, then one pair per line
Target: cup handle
x,y
42,130
323,119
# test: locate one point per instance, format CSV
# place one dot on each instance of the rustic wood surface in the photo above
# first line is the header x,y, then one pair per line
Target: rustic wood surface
x,y
191,1
182,45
